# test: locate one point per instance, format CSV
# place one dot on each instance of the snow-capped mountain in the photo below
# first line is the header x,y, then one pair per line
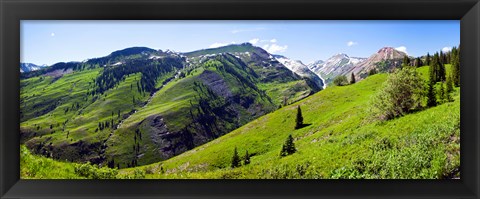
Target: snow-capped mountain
x,y
299,68
316,65
27,67
339,64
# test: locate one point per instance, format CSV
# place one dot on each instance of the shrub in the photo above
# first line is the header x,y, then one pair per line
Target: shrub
x,y
340,80
401,93
90,171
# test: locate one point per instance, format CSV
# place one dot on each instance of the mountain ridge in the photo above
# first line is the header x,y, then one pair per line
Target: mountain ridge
x,y
139,105
384,59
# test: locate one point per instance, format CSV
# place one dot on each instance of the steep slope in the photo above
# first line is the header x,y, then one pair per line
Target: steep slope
x,y
280,83
139,105
385,59
299,68
339,142
217,98
70,110
339,64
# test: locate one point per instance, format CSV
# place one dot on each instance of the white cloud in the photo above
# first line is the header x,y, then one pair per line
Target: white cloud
x,y
351,43
446,49
52,34
274,48
402,49
254,41
218,44
273,40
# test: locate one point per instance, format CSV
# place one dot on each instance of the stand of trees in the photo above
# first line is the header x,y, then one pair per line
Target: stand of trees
x,y
151,70
237,161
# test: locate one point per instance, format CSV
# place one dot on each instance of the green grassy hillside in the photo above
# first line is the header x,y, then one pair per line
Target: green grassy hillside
x,y
139,106
341,141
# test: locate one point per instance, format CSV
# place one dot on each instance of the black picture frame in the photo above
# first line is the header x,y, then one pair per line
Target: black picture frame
x,y
12,11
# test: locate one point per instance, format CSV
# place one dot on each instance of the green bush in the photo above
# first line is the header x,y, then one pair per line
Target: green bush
x,y
340,80
90,171
402,93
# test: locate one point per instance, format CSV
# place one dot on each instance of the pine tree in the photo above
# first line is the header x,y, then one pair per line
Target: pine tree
x,y
441,57
299,119
437,69
418,62
406,60
441,71
432,72
246,159
288,147
427,59
352,79
432,99
441,94
235,159
456,67
449,83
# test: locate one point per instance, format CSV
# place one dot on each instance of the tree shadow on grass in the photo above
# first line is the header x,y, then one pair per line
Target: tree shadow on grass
x,y
304,125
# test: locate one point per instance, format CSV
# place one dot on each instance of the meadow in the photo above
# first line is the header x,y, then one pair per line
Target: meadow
x,y
339,140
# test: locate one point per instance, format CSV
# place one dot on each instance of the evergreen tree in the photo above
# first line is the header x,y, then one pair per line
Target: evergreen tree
x,y
418,62
432,72
235,159
456,67
432,99
352,79
246,159
449,83
437,69
441,94
441,57
288,147
299,118
427,59
111,163
406,61
441,72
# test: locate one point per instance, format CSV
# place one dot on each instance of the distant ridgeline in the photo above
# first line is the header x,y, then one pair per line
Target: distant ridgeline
x,y
138,105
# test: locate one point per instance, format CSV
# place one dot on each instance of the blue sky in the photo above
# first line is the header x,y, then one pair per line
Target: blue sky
x,y
49,42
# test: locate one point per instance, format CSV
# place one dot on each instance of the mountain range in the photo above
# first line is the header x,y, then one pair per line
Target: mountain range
x,y
341,64
163,114
139,105
27,67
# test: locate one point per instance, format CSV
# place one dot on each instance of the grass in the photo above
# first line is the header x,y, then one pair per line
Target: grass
x,y
341,142
292,91
80,123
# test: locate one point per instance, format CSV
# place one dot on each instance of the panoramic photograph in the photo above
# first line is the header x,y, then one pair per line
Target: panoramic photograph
x,y
233,99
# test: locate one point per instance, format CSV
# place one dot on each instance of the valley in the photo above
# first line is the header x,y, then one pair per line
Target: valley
x,y
145,113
